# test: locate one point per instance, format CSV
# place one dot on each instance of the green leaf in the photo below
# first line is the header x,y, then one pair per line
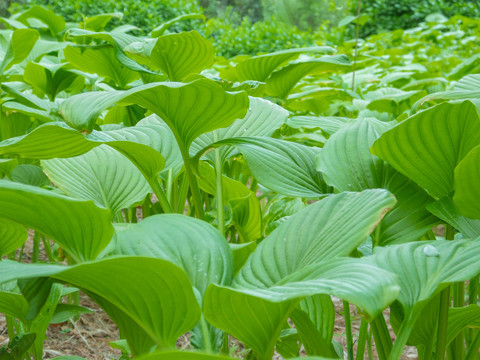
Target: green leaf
x,y
256,315
193,245
185,355
80,227
429,145
20,45
102,175
63,312
262,119
55,22
189,109
101,61
241,252
445,209
346,163
50,79
13,236
466,186
29,175
99,22
70,143
19,346
121,286
260,67
328,124
243,203
283,81
291,169
6,166
159,30
14,305
425,268
334,226
177,55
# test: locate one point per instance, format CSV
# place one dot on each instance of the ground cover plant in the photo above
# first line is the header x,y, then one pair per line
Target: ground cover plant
x,y
185,193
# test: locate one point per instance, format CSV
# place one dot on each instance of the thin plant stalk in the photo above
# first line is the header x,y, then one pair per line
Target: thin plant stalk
x,y
369,345
48,248
36,247
196,198
381,335
362,339
443,311
182,195
169,187
225,345
219,188
403,335
348,329
160,194
357,31
459,301
473,350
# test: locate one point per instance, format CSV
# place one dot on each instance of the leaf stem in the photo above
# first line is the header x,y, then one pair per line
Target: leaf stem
x,y
219,188
36,247
348,329
442,324
362,338
473,350
383,342
403,335
182,195
197,201
459,301
160,194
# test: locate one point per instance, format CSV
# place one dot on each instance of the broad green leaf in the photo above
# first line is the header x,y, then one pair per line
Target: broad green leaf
x,y
241,252
261,67
328,124
14,305
321,312
256,315
102,175
70,143
346,163
445,209
193,245
20,45
29,175
466,186
80,227
64,312
291,171
429,145
159,30
6,166
176,55
118,39
333,226
40,323
243,203
262,119
101,61
55,22
425,268
13,236
17,348
51,79
185,355
468,66
283,81
99,22
189,109
121,286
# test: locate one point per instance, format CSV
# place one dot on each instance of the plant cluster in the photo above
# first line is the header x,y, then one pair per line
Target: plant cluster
x,y
185,193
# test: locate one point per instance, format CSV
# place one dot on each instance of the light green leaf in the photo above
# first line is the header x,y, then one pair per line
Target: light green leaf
x,y
80,227
346,163
64,312
121,286
102,175
262,119
466,185
260,67
20,45
13,236
159,30
263,311
6,166
283,81
50,80
177,55
445,209
101,61
98,22
328,124
337,225
429,145
14,305
29,175
55,22
193,245
291,169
